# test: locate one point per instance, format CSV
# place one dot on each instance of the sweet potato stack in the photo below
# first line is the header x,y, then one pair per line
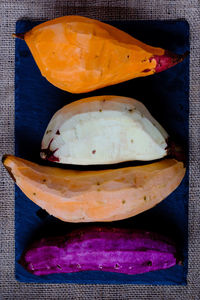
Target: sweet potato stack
x,y
78,54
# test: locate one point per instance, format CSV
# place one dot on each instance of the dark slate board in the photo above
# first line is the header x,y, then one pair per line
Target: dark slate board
x,y
166,95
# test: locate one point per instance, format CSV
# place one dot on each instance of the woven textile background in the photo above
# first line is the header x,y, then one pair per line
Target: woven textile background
x,y
10,12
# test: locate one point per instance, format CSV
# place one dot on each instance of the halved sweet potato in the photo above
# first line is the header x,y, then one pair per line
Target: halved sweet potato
x,y
103,130
88,196
101,249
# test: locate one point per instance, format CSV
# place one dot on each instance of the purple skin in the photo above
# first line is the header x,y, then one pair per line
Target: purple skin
x,y
103,249
176,151
48,154
168,60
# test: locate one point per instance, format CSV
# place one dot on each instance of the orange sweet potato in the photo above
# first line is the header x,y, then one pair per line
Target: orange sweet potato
x,y
79,54
87,196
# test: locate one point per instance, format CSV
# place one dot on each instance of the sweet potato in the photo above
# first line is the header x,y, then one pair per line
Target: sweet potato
x,y
79,54
103,130
89,196
101,249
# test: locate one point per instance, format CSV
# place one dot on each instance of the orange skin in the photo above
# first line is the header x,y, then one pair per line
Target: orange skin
x,y
79,54
90,196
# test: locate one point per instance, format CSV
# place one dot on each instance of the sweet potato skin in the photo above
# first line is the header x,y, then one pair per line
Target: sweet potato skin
x,y
89,196
78,54
102,130
101,249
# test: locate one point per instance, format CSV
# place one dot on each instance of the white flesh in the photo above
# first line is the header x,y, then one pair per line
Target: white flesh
x,y
105,130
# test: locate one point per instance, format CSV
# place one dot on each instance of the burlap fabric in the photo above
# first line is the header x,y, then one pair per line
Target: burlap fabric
x,y
10,12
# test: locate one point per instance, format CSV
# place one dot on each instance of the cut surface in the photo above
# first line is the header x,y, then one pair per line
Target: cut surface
x,y
89,196
101,249
103,130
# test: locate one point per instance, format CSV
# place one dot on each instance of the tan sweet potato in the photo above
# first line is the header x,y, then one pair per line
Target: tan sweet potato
x,y
87,196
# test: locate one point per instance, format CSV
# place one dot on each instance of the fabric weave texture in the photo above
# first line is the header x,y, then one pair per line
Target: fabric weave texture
x,y
10,12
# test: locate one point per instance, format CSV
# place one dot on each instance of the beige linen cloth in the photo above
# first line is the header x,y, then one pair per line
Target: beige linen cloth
x,y
10,12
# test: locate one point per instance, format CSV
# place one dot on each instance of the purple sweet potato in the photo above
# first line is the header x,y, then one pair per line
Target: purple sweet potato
x,y
104,249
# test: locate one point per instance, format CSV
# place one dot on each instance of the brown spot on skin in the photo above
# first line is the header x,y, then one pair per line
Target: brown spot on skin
x,y
93,151
131,140
34,194
123,201
100,110
145,198
59,267
146,70
44,180
98,190
98,183
116,266
48,131
149,263
58,132
128,56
